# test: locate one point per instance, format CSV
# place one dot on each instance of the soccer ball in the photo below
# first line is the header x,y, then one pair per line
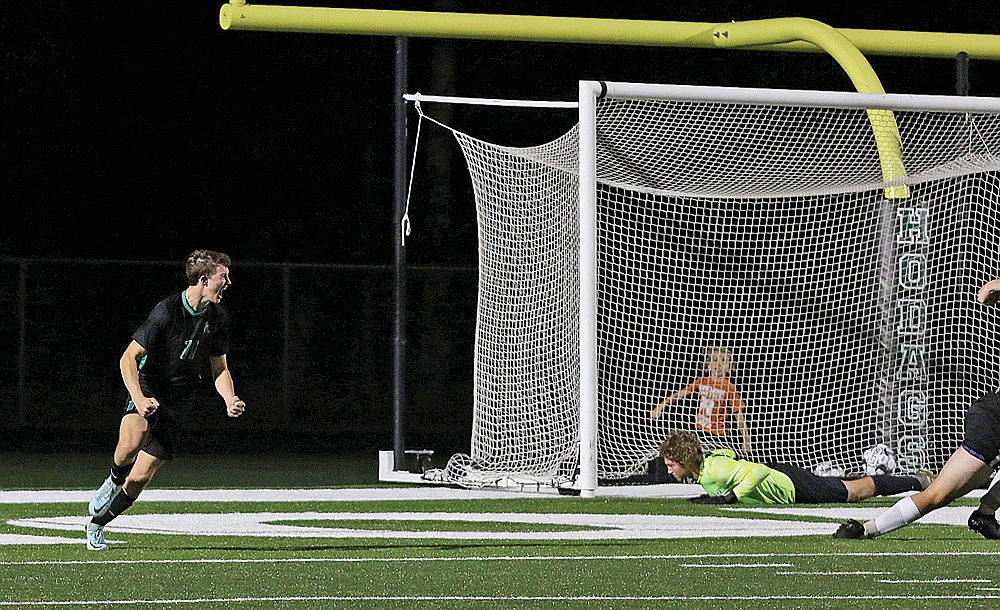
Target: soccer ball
x,y
879,459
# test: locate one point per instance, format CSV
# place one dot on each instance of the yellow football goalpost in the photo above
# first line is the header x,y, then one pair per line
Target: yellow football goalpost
x,y
791,34
785,34
848,47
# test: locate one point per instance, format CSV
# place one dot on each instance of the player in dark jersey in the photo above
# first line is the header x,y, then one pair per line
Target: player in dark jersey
x,y
185,334
966,469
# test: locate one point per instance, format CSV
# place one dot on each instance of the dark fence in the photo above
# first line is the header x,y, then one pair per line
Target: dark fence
x,y
312,353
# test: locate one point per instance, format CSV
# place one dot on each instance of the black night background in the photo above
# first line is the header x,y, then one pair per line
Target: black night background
x,y
136,132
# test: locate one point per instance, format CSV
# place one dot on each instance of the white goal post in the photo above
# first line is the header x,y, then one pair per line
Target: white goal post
x,y
828,244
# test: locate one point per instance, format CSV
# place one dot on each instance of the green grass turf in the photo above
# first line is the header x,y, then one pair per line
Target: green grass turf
x,y
921,567
193,471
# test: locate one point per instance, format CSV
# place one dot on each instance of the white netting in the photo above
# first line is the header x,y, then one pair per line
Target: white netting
x,y
850,316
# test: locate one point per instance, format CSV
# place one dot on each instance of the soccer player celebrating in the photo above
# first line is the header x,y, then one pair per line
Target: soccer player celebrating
x,y
965,470
161,369
728,480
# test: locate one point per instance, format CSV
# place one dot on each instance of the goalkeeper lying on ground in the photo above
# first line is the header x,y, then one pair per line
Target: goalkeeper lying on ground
x,y
728,480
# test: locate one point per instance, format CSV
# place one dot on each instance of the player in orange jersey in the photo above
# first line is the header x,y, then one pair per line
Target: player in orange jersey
x,y
717,400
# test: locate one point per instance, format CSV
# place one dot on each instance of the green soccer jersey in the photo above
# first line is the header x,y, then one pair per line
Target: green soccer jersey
x,y
752,483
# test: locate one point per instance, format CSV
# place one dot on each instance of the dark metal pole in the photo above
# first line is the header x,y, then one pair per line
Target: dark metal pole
x,y
962,73
399,198
22,350
286,345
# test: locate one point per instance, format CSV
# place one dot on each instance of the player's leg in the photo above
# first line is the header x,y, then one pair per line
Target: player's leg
x,y
860,489
131,436
982,430
146,466
157,450
142,473
960,475
983,520
883,485
963,472
811,488
132,433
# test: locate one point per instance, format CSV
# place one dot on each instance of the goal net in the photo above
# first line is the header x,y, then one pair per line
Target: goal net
x,y
799,265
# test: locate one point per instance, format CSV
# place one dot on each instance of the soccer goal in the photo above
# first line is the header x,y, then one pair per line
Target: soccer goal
x,y
830,244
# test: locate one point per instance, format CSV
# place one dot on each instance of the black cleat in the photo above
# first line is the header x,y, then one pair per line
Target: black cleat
x,y
852,529
925,477
984,524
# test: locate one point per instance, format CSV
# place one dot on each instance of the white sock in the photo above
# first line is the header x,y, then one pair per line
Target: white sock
x,y
991,499
900,514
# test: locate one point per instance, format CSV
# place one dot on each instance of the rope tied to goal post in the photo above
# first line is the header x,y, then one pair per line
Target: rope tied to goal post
x,y
404,222
416,99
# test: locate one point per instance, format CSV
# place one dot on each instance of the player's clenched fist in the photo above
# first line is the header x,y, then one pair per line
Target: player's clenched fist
x,y
989,294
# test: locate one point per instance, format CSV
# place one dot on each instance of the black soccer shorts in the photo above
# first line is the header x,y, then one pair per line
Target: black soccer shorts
x,y
982,428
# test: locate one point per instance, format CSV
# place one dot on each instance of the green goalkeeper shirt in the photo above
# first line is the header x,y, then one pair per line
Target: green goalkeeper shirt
x,y
752,483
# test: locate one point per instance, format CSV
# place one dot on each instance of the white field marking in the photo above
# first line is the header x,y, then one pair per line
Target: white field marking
x,y
604,527
493,598
310,495
934,581
802,573
32,539
497,558
599,526
737,565
695,528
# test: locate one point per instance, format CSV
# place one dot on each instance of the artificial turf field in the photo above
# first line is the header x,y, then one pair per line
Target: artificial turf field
x,y
554,559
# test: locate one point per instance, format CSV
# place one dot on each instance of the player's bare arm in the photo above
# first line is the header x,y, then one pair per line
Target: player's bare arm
x,y
129,365
741,424
224,386
658,409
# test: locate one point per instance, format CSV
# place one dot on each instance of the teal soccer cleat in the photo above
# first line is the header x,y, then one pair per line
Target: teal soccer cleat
x,y
103,497
95,538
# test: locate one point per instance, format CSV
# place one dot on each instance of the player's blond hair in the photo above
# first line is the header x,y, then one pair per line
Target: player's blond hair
x,y
718,349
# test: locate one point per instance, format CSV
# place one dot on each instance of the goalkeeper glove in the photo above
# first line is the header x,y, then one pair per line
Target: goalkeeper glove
x,y
726,498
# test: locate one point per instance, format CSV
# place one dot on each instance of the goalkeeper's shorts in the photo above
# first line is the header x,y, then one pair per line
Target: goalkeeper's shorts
x,y
811,488
982,428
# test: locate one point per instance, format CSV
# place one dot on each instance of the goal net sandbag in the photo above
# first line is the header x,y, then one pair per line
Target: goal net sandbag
x,y
831,254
